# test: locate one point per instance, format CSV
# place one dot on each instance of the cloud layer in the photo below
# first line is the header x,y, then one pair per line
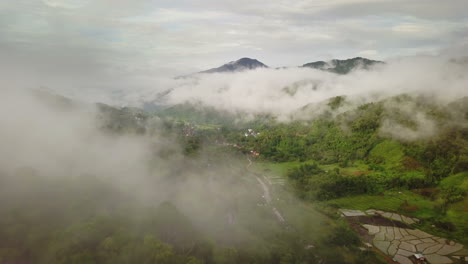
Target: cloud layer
x,y
282,92
104,41
126,52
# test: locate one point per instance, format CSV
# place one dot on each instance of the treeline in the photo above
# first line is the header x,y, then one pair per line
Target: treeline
x,y
314,183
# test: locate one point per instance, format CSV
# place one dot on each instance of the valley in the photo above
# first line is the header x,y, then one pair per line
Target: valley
x,y
233,132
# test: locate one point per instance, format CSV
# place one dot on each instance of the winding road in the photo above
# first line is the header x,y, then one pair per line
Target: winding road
x,y
266,195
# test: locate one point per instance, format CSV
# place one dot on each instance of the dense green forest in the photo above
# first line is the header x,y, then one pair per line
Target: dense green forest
x,y
339,157
353,153
367,149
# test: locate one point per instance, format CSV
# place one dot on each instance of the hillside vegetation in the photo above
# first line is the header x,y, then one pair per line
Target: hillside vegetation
x,y
376,150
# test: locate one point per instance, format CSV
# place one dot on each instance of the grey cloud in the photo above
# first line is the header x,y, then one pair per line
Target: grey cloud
x,y
432,9
124,46
310,10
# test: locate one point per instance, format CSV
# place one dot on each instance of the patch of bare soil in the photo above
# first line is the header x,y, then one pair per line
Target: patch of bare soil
x,y
362,232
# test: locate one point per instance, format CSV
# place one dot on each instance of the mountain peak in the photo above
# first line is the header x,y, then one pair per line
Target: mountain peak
x,y
238,65
245,61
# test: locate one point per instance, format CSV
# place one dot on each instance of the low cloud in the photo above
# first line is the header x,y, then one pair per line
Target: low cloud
x,y
282,92
52,139
407,121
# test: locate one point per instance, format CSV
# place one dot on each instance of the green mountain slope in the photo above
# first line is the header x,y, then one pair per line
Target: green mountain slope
x,y
343,66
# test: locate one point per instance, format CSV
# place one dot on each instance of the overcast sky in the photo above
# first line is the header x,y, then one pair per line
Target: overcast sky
x,y
96,41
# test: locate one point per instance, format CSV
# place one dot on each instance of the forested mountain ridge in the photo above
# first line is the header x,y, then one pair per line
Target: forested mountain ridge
x,y
335,65
343,66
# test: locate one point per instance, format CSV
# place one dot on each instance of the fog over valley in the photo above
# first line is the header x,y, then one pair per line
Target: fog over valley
x,y
209,132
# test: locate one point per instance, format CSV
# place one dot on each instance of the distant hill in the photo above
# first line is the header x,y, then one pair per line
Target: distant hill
x,y
343,66
335,65
238,65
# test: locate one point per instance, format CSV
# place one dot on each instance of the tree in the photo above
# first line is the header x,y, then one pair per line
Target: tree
x,y
155,251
